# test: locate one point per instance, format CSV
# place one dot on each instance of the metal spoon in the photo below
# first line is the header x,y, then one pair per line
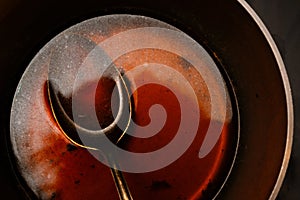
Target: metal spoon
x,y
112,131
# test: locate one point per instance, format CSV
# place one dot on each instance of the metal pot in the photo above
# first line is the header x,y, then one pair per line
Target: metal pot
x,y
231,32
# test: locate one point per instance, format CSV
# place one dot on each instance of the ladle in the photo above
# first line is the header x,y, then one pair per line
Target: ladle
x,y
71,129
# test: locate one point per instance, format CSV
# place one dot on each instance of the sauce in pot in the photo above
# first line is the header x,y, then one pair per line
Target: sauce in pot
x,y
54,168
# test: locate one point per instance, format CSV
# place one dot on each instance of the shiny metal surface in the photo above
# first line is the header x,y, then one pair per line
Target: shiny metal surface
x,y
289,100
282,17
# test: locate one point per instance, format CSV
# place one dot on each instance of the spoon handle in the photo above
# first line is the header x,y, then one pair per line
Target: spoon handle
x,y
120,182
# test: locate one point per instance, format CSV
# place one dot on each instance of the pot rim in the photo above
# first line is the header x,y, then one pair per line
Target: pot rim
x,y
288,97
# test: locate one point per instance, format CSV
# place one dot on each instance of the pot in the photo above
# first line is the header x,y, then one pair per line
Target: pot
x,y
229,30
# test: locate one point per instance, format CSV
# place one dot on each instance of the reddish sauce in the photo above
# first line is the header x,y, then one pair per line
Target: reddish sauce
x,y
188,177
78,175
88,102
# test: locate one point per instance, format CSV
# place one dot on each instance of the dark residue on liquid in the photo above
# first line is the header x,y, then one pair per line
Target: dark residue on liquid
x,y
71,147
180,197
184,63
53,196
160,185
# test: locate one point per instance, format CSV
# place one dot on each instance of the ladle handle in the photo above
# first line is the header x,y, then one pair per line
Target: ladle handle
x,y
120,182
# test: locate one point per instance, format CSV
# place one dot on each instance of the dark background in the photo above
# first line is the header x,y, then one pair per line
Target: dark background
x,y
282,18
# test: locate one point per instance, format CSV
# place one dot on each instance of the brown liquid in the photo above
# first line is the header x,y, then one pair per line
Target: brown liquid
x,y
59,170
189,177
80,176
83,99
